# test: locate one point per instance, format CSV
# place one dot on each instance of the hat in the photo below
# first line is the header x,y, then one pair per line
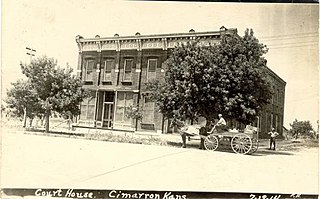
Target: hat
x,y
220,115
272,129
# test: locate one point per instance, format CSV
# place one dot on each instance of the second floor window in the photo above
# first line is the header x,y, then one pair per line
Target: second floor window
x,y
88,70
107,67
128,63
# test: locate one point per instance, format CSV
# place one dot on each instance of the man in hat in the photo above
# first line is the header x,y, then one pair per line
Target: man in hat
x,y
273,134
221,125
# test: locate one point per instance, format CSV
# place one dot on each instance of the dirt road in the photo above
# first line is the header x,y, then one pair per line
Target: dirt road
x,y
33,161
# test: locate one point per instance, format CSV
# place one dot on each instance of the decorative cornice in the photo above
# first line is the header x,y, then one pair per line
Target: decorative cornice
x,y
140,42
78,37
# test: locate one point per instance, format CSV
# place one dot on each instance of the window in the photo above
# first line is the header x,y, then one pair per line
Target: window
x,y
88,74
151,69
268,121
87,108
124,100
276,97
128,63
107,66
148,110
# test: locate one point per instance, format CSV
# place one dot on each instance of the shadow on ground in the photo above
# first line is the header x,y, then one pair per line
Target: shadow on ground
x,y
271,152
262,151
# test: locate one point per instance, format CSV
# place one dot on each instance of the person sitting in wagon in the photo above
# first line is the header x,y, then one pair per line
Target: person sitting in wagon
x,y
220,126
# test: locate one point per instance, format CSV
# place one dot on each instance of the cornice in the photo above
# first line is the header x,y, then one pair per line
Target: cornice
x,y
156,41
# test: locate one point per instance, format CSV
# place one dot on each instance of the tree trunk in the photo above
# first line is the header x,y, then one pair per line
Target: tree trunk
x,y
296,135
30,122
41,121
24,117
69,123
47,121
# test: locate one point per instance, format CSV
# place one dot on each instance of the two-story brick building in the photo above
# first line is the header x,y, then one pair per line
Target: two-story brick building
x,y
115,70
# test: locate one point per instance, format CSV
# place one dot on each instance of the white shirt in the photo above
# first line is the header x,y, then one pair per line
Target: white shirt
x,y
273,134
221,122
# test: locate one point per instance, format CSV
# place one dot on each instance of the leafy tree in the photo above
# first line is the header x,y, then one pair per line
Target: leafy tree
x,y
301,128
135,112
228,78
22,100
56,88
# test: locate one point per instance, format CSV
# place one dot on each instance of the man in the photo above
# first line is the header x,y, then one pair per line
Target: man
x,y
221,124
273,134
203,132
221,121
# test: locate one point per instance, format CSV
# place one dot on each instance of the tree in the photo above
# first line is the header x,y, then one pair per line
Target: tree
x,y
135,112
56,88
301,128
229,78
22,100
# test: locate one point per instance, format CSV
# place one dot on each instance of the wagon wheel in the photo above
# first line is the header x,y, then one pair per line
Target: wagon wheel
x,y
255,145
211,142
241,143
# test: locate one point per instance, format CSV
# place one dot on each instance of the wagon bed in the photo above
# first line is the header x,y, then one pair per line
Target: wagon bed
x,y
243,142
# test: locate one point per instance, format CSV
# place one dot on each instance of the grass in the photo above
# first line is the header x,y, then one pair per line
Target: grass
x,y
291,145
16,125
11,123
125,138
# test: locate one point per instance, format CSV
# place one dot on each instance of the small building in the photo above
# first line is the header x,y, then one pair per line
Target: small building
x,y
115,70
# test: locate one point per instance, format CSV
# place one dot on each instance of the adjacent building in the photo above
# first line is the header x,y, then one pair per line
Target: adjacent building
x,y
115,70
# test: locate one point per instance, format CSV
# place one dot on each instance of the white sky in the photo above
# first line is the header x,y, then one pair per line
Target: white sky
x,y
50,27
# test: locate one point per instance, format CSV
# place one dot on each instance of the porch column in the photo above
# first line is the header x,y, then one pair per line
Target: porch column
x,y
117,59
115,107
95,109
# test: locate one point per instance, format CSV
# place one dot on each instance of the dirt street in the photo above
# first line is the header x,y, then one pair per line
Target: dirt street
x,y
33,161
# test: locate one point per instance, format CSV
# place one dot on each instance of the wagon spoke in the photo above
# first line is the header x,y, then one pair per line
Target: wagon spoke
x,y
211,142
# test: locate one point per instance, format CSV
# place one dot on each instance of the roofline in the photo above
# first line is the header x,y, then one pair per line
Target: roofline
x,y
158,36
277,76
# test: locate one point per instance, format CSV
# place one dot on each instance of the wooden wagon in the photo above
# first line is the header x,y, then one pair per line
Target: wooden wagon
x,y
241,142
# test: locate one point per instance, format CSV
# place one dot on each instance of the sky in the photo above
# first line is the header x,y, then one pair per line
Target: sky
x,y
291,31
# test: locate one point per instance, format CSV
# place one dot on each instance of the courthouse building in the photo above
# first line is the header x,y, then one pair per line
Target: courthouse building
x,y
115,70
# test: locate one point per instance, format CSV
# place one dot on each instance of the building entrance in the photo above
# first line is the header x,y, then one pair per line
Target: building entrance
x,y
105,109
107,115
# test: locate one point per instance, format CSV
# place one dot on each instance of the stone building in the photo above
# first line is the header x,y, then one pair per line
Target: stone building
x,y
115,70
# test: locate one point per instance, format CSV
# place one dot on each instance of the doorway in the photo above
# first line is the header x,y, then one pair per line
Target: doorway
x,y
107,115
108,110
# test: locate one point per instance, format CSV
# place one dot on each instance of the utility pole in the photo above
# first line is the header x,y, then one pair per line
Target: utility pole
x,y
30,52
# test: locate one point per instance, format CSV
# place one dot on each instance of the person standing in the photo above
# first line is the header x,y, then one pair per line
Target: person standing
x,y
273,134
203,132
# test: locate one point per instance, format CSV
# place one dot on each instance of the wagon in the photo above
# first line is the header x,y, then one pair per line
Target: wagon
x,y
245,142
242,142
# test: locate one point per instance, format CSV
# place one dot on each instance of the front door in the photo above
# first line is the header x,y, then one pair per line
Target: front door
x,y
107,103
107,114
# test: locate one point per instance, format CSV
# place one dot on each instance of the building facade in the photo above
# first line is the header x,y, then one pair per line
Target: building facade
x,y
115,70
